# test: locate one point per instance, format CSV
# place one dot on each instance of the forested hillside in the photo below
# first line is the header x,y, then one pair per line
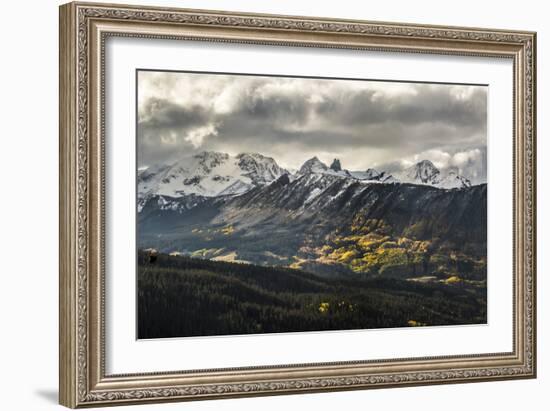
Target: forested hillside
x,y
182,296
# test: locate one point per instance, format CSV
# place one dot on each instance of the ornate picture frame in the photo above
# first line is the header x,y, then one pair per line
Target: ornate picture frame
x,y
84,29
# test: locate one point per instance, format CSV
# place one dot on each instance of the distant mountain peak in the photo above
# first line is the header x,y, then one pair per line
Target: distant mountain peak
x,y
313,165
259,168
454,180
209,174
424,172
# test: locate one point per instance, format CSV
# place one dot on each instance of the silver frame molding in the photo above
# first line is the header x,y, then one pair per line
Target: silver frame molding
x,y
84,27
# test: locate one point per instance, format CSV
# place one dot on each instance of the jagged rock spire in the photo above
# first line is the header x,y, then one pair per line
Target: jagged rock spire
x,y
336,166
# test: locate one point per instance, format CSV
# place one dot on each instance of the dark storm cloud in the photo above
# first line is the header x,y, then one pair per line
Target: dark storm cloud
x,y
288,117
360,118
431,105
161,114
162,128
273,109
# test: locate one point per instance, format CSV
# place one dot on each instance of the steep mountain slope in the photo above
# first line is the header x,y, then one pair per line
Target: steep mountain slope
x,y
331,224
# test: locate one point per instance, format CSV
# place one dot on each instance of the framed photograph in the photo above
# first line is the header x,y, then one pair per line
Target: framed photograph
x,y
259,204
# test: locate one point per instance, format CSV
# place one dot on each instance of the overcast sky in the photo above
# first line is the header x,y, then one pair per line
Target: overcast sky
x,y
365,124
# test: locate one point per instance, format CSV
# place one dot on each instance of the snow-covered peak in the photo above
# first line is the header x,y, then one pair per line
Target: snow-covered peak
x,y
259,168
208,174
313,165
424,172
316,166
452,179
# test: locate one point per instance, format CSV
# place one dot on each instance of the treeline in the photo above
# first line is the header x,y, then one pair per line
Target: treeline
x,y
181,296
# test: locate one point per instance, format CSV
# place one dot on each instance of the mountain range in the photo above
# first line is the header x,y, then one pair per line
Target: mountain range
x,y
323,219
211,174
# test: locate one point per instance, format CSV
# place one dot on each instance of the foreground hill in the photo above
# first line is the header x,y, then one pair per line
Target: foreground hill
x,y
181,296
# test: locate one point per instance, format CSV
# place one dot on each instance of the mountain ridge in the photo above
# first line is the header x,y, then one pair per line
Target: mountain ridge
x,y
326,223
211,174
